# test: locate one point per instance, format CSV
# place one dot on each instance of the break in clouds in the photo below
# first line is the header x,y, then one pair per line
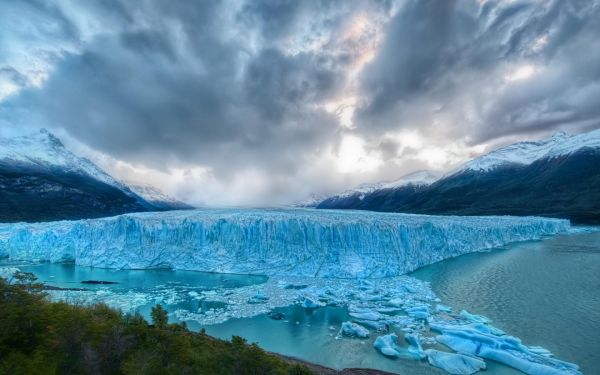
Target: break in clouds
x,y
264,102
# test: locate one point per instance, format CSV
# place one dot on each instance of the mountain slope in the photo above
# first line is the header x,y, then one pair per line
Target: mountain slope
x,y
158,199
408,184
41,180
558,177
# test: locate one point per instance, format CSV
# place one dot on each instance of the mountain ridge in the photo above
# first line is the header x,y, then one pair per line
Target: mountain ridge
x,y
557,177
41,180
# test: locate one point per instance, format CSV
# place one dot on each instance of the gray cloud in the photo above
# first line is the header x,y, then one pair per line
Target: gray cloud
x,y
243,85
196,97
438,61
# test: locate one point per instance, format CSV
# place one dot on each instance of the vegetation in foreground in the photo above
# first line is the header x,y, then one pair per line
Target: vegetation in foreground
x,y
42,337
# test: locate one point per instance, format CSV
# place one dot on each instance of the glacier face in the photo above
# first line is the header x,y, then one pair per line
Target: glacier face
x,y
300,242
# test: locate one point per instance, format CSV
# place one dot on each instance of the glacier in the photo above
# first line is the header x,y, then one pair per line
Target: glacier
x,y
298,242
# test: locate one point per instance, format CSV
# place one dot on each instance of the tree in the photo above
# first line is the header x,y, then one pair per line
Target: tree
x,y
159,316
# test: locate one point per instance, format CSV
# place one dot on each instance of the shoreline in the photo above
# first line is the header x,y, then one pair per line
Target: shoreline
x,y
323,370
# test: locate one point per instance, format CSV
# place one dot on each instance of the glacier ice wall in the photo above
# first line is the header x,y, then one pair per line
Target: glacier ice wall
x,y
301,242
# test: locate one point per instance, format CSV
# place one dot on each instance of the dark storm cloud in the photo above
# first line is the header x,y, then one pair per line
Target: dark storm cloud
x,y
435,53
195,95
275,19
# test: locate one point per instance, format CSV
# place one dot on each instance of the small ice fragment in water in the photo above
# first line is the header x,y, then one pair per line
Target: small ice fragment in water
x,y
415,347
419,312
354,330
471,339
259,297
363,313
373,324
309,303
473,318
541,351
387,345
443,308
453,363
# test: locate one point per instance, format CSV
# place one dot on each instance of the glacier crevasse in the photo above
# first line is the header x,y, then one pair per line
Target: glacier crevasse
x,y
301,242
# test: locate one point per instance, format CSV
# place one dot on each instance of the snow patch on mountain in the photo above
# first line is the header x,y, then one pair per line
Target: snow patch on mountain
x,y
43,150
157,198
525,153
418,178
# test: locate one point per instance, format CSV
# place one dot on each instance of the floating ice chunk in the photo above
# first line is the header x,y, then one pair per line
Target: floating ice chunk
x,y
380,326
473,318
364,313
259,297
387,345
372,315
458,364
443,308
388,310
311,303
354,330
505,349
486,328
419,312
415,347
395,302
541,351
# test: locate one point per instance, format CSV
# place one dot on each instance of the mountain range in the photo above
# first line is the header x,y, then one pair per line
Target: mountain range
x,y
557,177
40,180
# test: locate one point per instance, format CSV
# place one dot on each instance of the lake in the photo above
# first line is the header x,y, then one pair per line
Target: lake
x,y
544,292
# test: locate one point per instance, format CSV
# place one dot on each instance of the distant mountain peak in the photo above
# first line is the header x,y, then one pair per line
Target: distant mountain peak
x,y
418,178
312,200
43,150
157,197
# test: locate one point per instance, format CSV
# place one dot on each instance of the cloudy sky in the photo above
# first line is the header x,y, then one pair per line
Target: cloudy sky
x,y
262,102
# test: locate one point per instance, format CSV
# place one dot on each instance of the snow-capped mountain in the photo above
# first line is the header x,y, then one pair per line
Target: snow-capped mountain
x,y
525,153
411,180
41,180
418,178
44,151
157,198
558,176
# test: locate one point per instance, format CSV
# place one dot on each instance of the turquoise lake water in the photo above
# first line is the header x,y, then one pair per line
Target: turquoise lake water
x,y
546,293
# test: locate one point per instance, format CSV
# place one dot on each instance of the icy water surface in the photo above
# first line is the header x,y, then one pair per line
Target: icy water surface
x,y
545,293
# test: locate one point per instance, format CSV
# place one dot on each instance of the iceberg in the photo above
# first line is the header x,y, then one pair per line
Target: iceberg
x,y
475,340
453,363
284,242
354,330
415,347
388,345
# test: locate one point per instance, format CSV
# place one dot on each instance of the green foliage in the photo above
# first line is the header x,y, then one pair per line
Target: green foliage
x,y
159,317
42,337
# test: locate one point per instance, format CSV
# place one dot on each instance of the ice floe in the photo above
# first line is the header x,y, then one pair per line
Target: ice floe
x,y
354,330
453,363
